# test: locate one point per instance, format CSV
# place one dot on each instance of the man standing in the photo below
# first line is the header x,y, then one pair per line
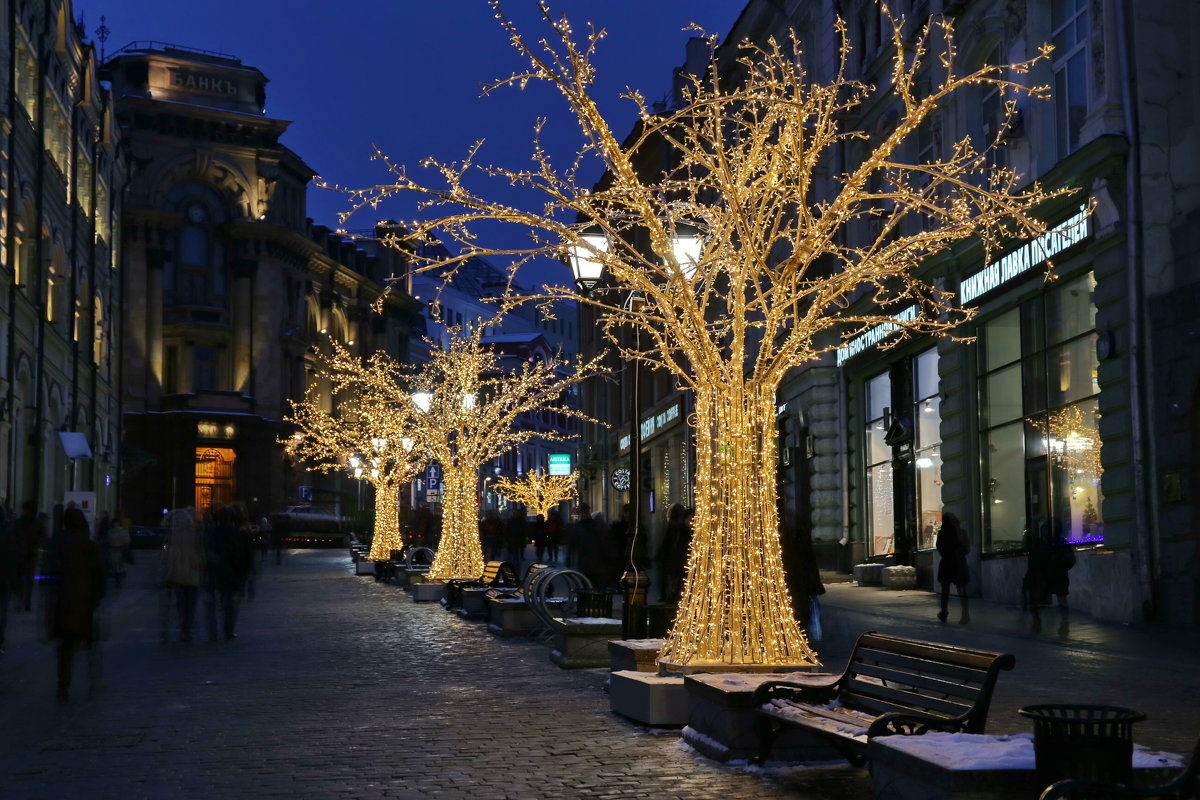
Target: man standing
x,y
30,534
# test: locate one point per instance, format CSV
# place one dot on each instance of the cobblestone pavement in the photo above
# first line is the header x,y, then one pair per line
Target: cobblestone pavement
x,y
338,686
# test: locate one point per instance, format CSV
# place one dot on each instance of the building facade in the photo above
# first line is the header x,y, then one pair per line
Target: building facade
x,y
62,173
232,291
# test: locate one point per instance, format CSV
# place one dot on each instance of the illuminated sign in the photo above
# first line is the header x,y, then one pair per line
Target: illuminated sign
x,y
874,336
199,82
652,424
1025,257
560,463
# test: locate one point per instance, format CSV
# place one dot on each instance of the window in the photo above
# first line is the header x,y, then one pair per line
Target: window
x,y
196,273
205,363
1069,23
927,430
1040,421
880,506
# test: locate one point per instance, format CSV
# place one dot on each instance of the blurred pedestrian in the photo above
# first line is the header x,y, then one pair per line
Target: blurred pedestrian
x,y
228,559
952,546
264,538
120,553
515,536
491,535
803,577
591,547
672,553
10,553
74,586
184,567
31,535
554,536
538,534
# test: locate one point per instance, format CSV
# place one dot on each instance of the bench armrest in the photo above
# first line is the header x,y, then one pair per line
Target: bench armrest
x,y
815,693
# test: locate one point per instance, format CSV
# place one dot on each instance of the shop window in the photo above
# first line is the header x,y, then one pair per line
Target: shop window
x,y
927,417
1041,456
880,505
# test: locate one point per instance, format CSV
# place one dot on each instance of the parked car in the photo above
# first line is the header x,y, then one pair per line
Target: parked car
x,y
309,526
147,537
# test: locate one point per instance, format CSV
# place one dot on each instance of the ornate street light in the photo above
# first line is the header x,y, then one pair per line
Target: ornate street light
x,y
584,260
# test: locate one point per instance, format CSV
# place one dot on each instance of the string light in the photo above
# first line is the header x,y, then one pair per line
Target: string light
x,y
796,258
537,491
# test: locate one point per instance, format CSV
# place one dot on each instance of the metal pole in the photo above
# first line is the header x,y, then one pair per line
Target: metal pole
x,y
635,581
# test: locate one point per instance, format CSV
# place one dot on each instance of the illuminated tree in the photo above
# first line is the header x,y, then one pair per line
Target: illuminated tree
x,y
476,399
537,491
369,432
810,232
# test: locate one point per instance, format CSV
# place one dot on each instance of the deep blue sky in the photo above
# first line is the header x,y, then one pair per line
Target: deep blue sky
x,y
406,74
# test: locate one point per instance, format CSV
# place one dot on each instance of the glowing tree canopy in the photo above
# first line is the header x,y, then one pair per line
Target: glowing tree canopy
x,y
476,398
537,491
809,232
368,432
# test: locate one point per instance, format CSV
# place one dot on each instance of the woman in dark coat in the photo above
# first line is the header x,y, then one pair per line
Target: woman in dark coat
x,y
75,583
952,546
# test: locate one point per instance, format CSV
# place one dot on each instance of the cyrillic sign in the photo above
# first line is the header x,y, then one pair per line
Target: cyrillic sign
x,y
1025,257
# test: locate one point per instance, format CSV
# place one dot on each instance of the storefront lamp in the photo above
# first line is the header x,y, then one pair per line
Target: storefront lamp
x,y
584,261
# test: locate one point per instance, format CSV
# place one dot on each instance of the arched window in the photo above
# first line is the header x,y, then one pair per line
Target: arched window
x,y
196,273
98,329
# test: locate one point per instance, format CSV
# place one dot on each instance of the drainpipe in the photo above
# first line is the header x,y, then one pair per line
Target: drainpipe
x,y
844,450
15,447
1145,516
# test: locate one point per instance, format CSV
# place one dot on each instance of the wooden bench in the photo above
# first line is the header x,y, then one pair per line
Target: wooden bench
x,y
517,593
891,685
495,574
1184,786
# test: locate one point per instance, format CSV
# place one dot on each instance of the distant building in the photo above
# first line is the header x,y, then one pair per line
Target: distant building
x,y
230,288
61,179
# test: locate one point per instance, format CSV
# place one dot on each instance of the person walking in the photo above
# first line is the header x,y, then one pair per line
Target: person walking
x,y
539,538
672,553
31,538
183,569
10,554
554,536
75,584
952,546
120,556
227,558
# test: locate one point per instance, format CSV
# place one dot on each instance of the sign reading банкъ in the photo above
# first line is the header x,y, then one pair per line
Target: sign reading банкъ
x,y
199,82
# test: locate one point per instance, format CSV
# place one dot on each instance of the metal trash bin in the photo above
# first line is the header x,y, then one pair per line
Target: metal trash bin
x,y
593,603
1084,742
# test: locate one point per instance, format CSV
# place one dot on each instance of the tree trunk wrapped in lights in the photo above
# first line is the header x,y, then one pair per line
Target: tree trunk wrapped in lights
x,y
368,433
809,233
475,402
537,491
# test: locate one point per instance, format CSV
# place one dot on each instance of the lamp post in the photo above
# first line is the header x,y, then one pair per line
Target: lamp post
x,y
587,266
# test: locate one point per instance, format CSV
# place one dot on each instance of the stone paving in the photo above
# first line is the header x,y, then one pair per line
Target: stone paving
x,y
338,686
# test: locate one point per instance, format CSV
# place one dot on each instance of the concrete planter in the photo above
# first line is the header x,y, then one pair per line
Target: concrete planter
x,y
635,655
721,720
513,617
951,766
474,603
583,643
868,574
364,567
899,577
428,592
648,698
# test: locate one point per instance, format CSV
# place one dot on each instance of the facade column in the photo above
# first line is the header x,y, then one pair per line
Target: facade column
x,y
154,324
243,323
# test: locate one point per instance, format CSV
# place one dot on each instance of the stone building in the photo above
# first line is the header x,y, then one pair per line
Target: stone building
x,y
230,288
61,178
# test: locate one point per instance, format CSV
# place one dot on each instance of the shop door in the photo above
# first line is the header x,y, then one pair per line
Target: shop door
x,y
214,477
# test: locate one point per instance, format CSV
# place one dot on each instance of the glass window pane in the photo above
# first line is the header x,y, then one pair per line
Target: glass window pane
x,y
1004,484
879,396
929,495
925,374
1070,311
1002,340
877,450
1033,384
1073,371
879,498
1075,445
1033,336
1002,402
929,422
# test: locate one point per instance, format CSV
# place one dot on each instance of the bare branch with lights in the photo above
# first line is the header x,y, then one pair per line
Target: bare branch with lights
x,y
538,491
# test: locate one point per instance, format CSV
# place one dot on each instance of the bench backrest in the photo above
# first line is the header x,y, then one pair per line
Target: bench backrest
x,y
889,673
526,581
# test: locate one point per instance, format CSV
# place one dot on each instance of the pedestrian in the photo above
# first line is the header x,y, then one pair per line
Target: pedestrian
x,y
279,534
591,543
491,535
74,586
31,536
672,553
515,536
264,538
1058,560
804,578
539,538
554,536
120,554
617,548
227,560
10,554
952,546
184,568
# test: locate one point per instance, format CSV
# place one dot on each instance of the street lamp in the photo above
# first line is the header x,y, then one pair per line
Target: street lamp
x,y
584,258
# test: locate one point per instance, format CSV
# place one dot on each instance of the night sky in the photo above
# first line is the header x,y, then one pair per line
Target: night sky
x,y
406,74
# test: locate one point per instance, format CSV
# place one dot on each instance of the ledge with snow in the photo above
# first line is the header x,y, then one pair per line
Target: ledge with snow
x,y
964,766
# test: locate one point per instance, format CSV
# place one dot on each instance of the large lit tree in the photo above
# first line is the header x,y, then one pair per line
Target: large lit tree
x,y
476,399
368,432
537,491
811,232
